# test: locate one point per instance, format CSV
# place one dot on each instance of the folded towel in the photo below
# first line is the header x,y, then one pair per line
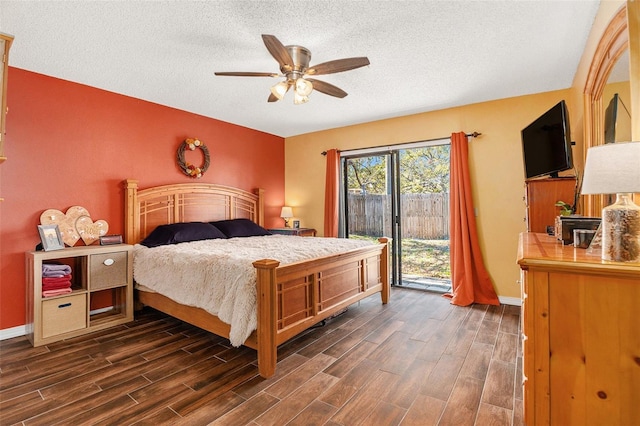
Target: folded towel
x,y
50,275
49,293
54,280
57,286
49,270
49,283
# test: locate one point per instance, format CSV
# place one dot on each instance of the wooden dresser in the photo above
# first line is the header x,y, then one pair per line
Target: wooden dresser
x,y
581,336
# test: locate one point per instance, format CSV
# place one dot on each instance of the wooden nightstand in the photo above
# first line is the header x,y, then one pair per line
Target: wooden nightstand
x,y
300,232
97,272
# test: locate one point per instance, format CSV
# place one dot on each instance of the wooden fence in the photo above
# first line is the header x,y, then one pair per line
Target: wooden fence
x,y
424,216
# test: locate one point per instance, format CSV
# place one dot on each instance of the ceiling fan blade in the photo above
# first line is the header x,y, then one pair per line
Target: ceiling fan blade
x,y
278,51
338,65
326,88
272,98
247,74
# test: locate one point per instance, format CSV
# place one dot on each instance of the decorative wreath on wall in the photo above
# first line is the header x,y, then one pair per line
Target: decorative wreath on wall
x,y
190,169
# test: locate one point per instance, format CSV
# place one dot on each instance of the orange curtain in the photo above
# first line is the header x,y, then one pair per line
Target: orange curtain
x,y
331,194
470,280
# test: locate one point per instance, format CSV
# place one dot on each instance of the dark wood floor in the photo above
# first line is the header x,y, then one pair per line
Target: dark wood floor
x,y
416,361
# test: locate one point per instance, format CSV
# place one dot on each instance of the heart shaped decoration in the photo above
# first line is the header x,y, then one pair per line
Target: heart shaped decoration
x,y
66,222
89,230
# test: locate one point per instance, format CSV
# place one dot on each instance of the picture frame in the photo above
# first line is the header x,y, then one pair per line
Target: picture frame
x,y
296,224
50,237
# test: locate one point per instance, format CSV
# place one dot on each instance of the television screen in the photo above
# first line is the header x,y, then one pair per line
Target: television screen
x,y
546,143
617,121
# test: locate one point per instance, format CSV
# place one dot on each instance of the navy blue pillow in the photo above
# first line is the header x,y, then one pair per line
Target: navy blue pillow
x,y
240,228
181,233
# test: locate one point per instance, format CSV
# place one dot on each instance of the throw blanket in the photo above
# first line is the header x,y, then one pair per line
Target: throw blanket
x,y
218,275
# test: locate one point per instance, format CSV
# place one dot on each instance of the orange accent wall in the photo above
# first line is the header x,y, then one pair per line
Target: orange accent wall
x,y
69,144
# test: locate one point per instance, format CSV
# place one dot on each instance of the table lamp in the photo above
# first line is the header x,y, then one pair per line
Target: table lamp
x,y
615,169
286,213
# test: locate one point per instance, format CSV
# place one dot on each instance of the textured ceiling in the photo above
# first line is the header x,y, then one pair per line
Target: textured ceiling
x,y
425,55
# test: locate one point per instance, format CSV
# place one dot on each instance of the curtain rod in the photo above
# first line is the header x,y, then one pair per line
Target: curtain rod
x,y
472,135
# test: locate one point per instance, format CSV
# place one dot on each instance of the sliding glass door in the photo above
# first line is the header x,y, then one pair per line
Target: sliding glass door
x,y
423,217
403,194
370,201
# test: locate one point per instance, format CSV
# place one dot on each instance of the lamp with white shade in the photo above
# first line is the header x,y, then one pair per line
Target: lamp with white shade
x,y
615,169
286,213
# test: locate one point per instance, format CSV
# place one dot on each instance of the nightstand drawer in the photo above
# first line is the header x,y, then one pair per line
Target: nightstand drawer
x,y
64,314
108,270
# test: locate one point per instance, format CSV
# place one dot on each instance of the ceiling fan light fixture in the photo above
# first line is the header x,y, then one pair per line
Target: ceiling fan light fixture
x,y
280,89
298,99
294,66
303,87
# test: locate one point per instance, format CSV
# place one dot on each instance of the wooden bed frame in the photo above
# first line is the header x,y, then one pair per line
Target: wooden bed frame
x,y
291,298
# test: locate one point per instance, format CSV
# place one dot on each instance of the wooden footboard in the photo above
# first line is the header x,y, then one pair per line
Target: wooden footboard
x,y
294,297
291,298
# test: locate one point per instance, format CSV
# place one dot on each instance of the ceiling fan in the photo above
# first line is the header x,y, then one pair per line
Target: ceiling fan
x,y
294,66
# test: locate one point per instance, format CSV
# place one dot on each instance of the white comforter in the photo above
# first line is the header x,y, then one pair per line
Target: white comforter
x,y
218,275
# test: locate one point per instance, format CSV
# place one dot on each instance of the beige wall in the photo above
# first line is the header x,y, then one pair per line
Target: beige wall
x,y
495,159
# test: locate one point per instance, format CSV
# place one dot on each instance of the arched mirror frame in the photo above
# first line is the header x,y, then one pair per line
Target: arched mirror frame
x,y
614,42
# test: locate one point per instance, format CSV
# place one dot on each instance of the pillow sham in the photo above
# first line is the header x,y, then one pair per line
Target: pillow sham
x,y
184,232
240,228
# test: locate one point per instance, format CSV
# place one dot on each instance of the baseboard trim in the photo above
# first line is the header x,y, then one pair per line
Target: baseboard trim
x,y
10,333
514,301
101,310
21,330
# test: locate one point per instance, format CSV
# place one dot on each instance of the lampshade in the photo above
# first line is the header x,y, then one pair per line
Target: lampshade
x,y
280,89
298,99
286,212
303,87
612,169
615,169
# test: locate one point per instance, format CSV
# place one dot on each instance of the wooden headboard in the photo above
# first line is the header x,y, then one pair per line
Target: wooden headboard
x,y
186,202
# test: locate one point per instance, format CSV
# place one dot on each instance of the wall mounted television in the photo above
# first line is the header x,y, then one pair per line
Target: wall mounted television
x,y
546,143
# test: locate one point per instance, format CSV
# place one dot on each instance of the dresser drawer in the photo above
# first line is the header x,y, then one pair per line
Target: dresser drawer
x,y
64,314
108,270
